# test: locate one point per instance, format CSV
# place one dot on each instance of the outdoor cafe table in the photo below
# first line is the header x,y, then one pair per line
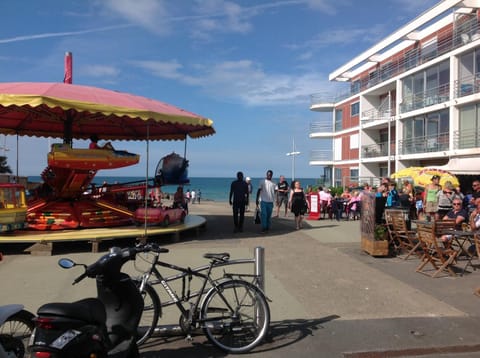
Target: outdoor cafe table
x,y
460,238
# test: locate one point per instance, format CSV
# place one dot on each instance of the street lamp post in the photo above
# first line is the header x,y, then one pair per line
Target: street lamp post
x,y
293,154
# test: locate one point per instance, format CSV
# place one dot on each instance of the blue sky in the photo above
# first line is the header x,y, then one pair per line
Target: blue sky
x,y
249,65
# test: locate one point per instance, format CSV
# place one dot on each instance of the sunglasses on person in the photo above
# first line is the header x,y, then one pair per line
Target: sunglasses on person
x,y
447,192
456,204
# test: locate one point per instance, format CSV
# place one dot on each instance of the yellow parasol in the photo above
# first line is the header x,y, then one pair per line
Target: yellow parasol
x,y
423,176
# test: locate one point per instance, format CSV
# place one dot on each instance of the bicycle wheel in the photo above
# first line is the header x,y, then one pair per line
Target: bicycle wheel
x,y
15,333
235,316
152,310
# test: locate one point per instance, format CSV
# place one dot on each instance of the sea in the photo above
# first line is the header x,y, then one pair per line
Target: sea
x,y
212,189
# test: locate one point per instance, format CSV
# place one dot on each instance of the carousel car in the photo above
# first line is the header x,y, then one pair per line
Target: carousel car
x,y
159,216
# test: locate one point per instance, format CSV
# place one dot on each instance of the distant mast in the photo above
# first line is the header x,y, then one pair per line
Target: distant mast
x,y
67,78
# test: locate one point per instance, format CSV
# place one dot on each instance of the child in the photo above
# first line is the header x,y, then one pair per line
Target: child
x,y
393,199
419,205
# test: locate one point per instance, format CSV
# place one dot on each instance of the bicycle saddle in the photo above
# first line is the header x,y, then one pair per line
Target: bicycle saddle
x,y
224,256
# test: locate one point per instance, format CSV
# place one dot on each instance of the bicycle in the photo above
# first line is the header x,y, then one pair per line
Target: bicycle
x,y
234,314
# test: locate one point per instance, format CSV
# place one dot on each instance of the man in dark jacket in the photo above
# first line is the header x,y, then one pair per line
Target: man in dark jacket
x,y
238,200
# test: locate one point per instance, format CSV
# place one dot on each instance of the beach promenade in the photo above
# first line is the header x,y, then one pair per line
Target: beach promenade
x,y
329,299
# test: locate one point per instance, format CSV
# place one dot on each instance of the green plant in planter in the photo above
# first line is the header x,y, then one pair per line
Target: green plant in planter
x,y
380,232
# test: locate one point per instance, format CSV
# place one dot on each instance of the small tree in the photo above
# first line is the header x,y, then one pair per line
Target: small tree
x,y
4,167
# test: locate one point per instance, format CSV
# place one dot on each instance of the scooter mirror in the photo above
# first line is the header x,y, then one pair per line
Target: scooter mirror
x,y
66,263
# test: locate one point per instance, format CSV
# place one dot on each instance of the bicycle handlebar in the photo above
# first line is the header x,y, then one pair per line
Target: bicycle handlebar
x,y
151,247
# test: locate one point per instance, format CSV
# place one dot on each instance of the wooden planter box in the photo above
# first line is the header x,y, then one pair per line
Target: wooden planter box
x,y
375,247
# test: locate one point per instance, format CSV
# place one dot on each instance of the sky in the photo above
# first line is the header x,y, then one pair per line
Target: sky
x,y
249,65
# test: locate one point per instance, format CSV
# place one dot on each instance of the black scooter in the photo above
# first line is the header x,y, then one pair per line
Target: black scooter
x,y
105,326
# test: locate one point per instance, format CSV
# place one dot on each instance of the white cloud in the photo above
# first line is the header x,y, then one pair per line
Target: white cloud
x,y
242,81
100,71
149,14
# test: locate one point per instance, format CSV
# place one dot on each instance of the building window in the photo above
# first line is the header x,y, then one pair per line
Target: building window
x,y
425,88
338,177
355,87
426,133
338,120
429,50
386,71
468,134
411,59
469,73
355,109
354,141
354,174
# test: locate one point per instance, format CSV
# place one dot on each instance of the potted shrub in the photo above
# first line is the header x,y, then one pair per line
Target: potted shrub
x,y
380,232
376,244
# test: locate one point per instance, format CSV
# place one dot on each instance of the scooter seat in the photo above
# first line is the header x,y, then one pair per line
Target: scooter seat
x,y
89,310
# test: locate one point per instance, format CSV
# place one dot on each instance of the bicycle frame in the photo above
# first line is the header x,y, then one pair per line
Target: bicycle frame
x,y
189,272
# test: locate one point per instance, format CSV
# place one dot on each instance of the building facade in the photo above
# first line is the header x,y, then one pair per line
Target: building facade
x,y
413,100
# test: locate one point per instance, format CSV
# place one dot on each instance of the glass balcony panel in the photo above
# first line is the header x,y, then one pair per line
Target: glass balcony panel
x,y
425,144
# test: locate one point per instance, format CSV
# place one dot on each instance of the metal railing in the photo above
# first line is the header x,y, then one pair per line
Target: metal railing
x,y
321,155
321,127
466,139
424,144
377,150
424,99
467,85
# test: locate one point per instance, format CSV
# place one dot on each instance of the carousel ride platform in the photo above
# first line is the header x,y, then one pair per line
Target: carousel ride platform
x,y
43,241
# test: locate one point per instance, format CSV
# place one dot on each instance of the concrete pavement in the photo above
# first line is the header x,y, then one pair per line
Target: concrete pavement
x,y
329,298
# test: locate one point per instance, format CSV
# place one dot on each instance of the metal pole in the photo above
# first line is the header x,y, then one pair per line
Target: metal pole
x,y
260,267
389,165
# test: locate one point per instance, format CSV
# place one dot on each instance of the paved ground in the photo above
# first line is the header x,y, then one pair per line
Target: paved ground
x,y
330,299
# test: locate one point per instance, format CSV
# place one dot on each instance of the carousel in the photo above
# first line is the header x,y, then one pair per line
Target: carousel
x,y
66,199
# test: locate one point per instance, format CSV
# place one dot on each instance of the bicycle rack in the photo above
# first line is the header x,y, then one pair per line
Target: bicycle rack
x,y
259,270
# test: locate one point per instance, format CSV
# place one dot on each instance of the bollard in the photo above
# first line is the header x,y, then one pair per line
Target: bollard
x,y
260,267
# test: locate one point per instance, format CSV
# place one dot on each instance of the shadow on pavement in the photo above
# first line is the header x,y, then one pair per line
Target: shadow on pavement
x,y
282,334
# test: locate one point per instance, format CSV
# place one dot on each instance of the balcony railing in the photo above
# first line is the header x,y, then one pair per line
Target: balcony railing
x,y
425,144
323,98
466,139
377,150
467,85
321,155
321,127
424,99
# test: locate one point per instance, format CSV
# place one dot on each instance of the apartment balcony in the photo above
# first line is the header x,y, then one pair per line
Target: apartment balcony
x,y
425,144
377,114
466,139
321,157
377,150
325,102
321,130
424,99
467,85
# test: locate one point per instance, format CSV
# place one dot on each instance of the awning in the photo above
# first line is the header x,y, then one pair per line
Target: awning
x,y
462,166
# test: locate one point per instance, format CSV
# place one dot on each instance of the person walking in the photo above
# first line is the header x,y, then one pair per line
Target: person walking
x,y
192,196
282,195
431,198
250,188
238,198
265,198
298,204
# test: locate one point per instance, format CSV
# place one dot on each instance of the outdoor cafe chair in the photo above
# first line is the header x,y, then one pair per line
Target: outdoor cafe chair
x,y
434,253
403,239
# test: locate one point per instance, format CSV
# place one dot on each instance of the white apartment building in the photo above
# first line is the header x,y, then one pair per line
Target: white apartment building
x,y
414,100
